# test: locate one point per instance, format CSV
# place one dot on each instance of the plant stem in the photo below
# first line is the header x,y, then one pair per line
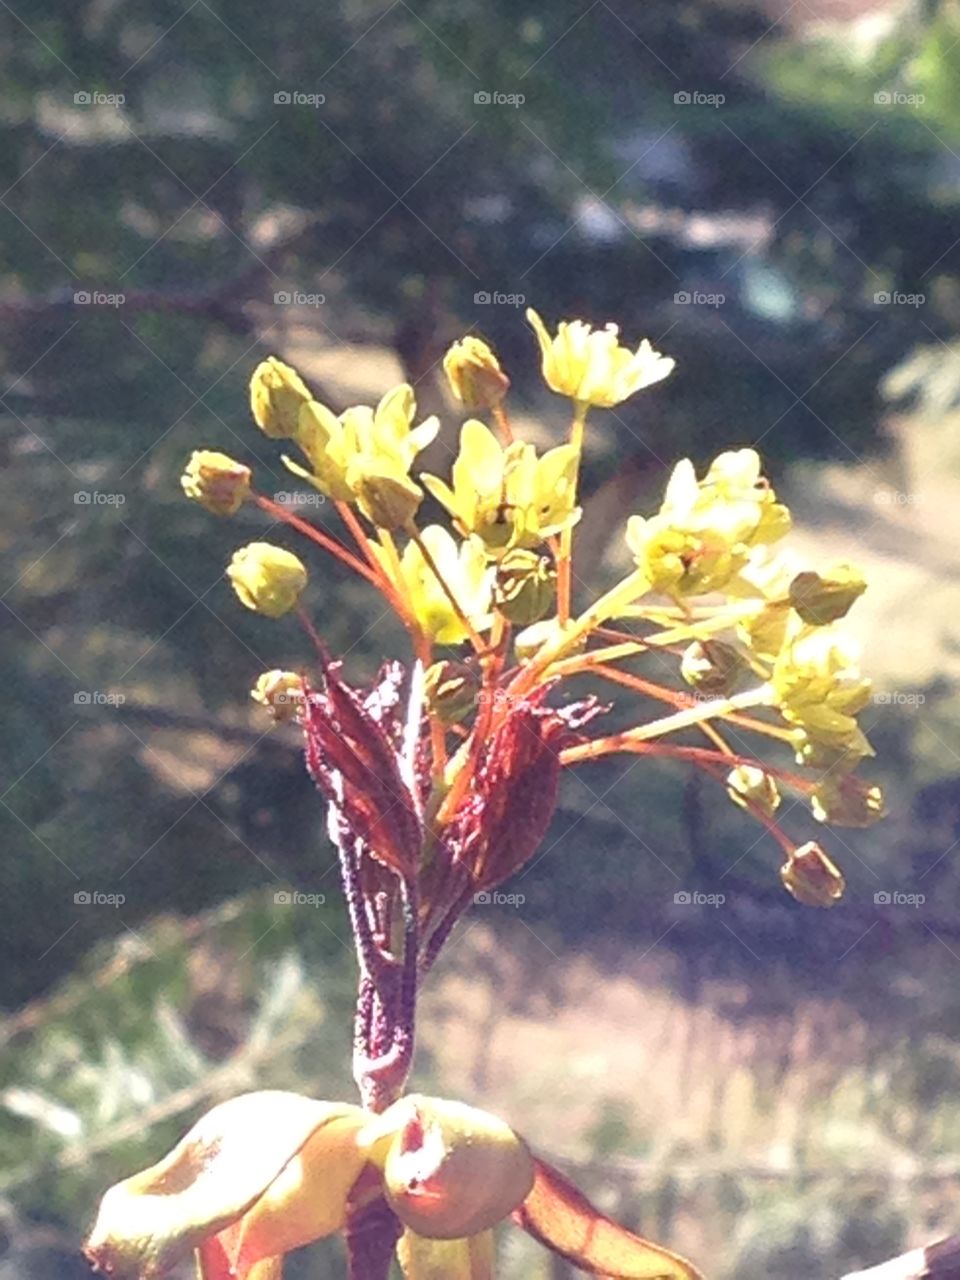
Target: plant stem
x,y
565,558
371,1237
316,535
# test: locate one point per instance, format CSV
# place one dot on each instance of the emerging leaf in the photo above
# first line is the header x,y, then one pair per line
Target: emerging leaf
x,y
563,1219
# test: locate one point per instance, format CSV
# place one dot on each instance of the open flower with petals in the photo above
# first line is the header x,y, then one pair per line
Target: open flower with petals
x,y
266,1173
508,496
463,568
591,366
365,455
819,687
706,531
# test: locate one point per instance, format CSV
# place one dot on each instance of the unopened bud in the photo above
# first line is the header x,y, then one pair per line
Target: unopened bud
x,y
450,1170
450,689
276,394
711,666
474,374
281,692
748,786
846,801
823,599
220,484
525,586
267,579
388,501
813,878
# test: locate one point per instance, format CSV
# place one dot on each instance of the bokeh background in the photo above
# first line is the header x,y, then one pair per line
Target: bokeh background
x,y
770,192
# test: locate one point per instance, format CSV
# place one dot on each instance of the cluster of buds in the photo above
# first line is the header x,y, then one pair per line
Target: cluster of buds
x,y
441,778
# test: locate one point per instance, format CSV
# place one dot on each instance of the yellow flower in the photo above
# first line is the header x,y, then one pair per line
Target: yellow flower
x,y
365,455
281,692
474,374
508,496
819,687
591,367
276,394
267,579
465,572
707,530
216,481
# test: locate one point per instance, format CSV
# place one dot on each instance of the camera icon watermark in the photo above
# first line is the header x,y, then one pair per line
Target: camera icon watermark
x,y
94,898
894,98
97,298
494,98
885,298
292,498
484,298
93,98
294,298
894,898
694,298
694,898
894,698
94,498
96,698
294,898
694,98
296,98
496,899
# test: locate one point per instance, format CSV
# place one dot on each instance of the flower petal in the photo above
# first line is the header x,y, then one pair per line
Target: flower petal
x,y
558,1215
213,1176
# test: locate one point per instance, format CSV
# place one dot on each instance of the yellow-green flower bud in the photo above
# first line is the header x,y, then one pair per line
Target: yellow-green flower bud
x,y
711,666
747,785
267,579
219,483
820,600
276,394
450,690
525,586
281,692
449,1170
846,801
813,878
390,501
474,374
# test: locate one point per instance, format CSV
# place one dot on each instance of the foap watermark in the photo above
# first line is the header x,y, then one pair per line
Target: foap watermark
x,y
294,298
894,898
895,498
296,98
897,299
292,498
97,698
497,899
694,298
94,898
894,98
294,898
484,298
894,698
94,98
494,98
694,898
694,98
95,498
96,298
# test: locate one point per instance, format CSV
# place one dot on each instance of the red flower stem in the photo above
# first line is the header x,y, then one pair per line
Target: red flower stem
x,y
371,1237
316,535
705,757
503,423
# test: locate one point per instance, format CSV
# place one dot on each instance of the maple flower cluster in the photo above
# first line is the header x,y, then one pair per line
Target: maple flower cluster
x,y
441,778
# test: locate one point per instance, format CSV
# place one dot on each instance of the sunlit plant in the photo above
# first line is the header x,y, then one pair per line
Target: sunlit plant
x,y
441,780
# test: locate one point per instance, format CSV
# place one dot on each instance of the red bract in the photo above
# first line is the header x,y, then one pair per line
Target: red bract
x,y
508,806
353,759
